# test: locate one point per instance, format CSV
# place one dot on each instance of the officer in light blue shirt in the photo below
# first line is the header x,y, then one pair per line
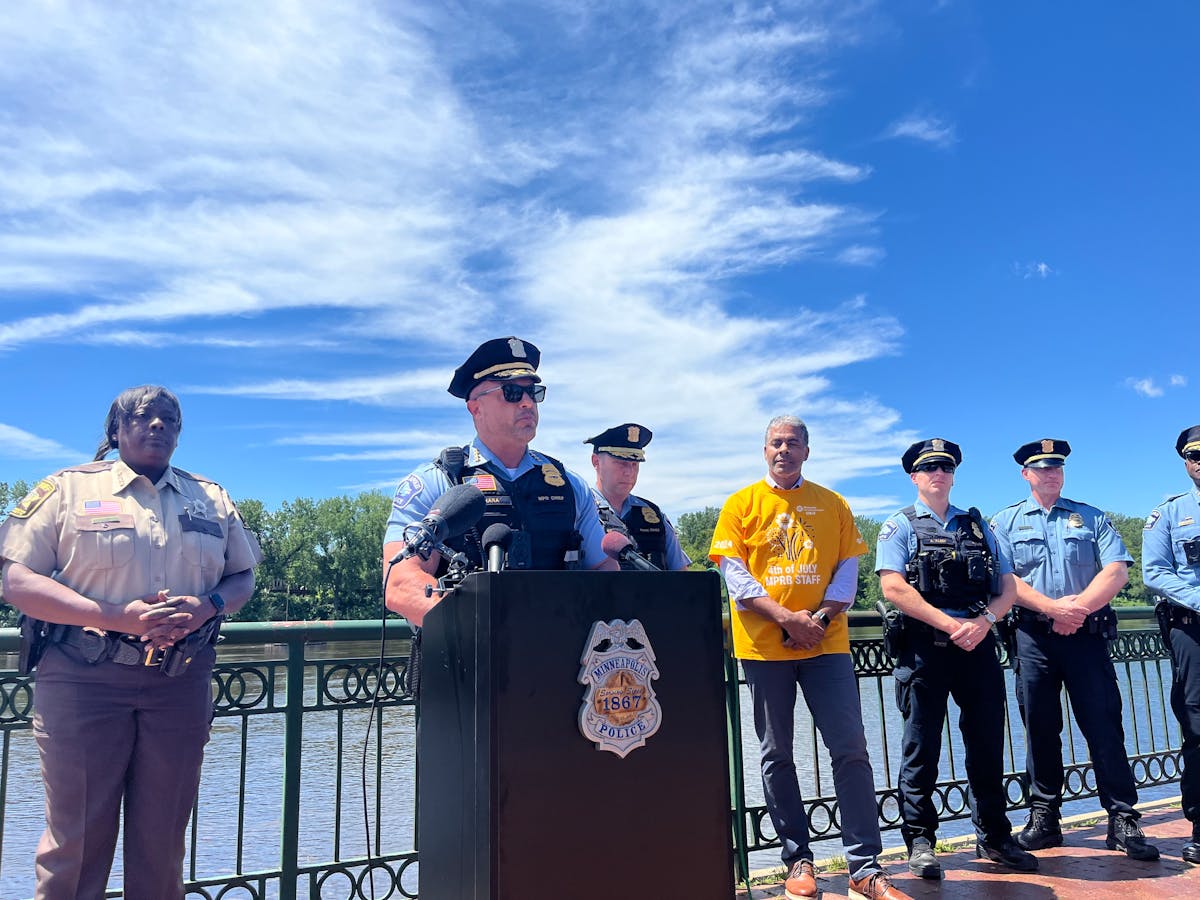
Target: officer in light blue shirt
x,y
1171,569
940,566
1071,562
617,456
534,494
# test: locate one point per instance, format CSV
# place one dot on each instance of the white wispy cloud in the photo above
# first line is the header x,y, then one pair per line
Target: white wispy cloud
x,y
923,127
402,181
1033,270
1178,381
1146,387
16,443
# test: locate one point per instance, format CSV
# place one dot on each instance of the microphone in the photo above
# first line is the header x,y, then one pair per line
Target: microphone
x,y
619,547
453,513
496,538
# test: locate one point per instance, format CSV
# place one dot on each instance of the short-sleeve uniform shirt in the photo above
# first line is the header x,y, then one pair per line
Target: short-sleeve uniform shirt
x,y
417,494
791,541
1058,552
113,536
1165,568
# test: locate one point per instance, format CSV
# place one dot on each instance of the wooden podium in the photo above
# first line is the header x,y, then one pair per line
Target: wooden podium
x,y
515,802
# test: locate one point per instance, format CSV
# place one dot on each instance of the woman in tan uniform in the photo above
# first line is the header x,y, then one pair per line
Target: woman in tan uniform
x,y
129,561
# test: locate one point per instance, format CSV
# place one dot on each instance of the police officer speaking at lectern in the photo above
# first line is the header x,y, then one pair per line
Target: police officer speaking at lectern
x,y
550,509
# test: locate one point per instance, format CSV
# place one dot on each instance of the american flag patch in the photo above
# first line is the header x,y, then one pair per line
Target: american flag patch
x,y
102,507
483,482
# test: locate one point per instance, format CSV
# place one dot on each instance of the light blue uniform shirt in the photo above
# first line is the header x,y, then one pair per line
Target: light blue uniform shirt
x,y
676,558
897,543
417,494
1165,569
1059,552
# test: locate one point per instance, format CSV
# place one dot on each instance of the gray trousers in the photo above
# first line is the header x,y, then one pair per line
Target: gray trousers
x,y
110,734
831,694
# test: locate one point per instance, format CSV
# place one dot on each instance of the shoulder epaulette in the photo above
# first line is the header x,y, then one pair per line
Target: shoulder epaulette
x,y
98,466
191,476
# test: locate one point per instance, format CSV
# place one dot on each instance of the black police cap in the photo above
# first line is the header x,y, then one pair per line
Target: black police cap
x,y
1189,439
623,441
932,450
499,359
1044,454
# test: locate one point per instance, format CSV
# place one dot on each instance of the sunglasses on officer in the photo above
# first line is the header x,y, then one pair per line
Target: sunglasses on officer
x,y
514,392
946,467
1192,455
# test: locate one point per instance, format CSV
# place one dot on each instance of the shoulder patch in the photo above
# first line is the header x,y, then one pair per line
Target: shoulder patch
x,y
888,530
42,491
409,488
1154,516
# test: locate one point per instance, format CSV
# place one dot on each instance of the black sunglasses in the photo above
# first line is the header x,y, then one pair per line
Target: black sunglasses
x,y
948,468
1192,455
514,392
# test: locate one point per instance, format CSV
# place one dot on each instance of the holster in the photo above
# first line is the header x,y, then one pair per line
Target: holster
x,y
34,640
177,657
893,629
1162,613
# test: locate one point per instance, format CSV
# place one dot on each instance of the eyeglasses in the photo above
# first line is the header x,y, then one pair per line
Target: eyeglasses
x,y
514,392
1192,455
948,468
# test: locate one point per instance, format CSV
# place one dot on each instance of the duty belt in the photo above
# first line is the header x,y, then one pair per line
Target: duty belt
x,y
915,626
123,649
97,646
1100,622
1180,615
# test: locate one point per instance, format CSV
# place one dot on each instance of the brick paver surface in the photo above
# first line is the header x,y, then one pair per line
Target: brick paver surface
x,y
1082,869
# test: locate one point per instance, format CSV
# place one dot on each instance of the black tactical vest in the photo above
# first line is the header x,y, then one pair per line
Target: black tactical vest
x,y
541,504
953,570
648,530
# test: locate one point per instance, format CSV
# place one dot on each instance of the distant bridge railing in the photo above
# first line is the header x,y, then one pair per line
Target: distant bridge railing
x,y
280,812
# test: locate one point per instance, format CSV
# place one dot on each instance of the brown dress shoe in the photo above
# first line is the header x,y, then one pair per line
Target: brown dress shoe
x,y
801,881
876,886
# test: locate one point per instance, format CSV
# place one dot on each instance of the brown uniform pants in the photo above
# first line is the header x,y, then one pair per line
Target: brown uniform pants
x,y
109,734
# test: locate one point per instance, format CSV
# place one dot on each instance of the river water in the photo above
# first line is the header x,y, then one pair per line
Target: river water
x,y
329,831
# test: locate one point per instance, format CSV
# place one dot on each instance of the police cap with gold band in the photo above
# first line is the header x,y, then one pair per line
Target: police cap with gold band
x,y
930,451
500,359
1189,439
1044,454
623,441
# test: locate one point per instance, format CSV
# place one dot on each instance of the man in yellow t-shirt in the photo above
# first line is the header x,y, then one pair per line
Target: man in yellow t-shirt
x,y
789,550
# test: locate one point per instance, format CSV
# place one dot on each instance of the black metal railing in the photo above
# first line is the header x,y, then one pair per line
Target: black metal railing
x,y
280,812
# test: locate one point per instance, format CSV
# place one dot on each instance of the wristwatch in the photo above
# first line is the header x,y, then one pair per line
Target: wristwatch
x,y
821,618
218,603
989,615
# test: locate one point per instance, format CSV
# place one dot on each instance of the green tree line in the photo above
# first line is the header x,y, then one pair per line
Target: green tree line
x,y
322,558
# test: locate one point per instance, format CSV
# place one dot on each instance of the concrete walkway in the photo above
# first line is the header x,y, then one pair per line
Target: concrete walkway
x,y
1082,869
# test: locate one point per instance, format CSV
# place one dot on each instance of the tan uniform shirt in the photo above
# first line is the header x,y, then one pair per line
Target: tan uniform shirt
x,y
112,536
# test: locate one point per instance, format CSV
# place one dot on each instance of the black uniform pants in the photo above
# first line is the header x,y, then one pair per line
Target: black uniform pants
x,y
1046,663
926,675
1185,703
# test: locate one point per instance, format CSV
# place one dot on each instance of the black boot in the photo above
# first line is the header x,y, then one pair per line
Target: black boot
x,y
1191,850
1041,831
1124,833
1007,853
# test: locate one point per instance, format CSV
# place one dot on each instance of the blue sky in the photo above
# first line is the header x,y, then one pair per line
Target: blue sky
x,y
962,219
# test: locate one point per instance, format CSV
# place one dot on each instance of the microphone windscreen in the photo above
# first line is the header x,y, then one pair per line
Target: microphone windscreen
x,y
461,507
614,542
497,535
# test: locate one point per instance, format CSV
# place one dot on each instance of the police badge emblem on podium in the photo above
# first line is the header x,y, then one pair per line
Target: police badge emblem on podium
x,y
619,710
